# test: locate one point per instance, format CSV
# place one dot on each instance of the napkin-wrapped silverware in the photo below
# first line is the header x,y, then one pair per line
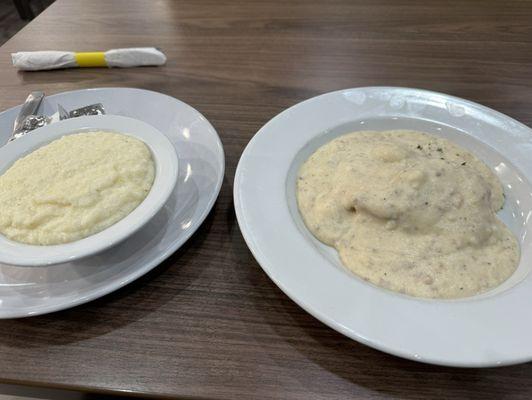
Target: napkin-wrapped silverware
x,y
123,58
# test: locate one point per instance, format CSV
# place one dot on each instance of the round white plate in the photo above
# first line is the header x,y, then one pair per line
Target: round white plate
x,y
164,157
26,291
487,330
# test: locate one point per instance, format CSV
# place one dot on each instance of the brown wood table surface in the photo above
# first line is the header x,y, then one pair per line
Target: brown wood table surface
x,y
208,323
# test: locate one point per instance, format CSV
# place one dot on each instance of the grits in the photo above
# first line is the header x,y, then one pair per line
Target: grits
x,y
74,187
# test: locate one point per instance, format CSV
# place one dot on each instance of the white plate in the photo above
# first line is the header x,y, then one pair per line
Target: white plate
x,y
165,160
26,291
488,330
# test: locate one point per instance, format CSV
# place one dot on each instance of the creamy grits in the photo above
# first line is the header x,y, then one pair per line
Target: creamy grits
x,y
408,212
74,187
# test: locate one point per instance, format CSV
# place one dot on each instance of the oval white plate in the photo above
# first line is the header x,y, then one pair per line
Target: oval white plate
x,y
488,330
165,160
28,291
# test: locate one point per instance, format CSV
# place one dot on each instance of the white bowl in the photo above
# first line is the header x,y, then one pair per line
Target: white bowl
x,y
166,167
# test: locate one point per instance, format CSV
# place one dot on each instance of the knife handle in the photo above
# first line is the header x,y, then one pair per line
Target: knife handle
x,y
29,107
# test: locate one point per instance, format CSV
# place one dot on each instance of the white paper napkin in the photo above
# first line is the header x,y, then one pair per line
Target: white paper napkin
x,y
123,58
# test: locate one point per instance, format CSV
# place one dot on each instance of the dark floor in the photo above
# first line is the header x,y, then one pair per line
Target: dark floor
x,y
10,22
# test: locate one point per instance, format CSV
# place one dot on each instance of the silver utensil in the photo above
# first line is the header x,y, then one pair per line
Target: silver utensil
x,y
30,106
32,122
63,114
27,121
92,109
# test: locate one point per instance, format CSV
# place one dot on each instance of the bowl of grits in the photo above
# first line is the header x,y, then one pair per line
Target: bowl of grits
x,y
74,188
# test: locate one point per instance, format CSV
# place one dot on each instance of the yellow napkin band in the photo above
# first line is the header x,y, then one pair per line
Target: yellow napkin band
x,y
92,59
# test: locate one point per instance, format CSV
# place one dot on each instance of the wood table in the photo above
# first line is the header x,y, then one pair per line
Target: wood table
x,y
208,323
